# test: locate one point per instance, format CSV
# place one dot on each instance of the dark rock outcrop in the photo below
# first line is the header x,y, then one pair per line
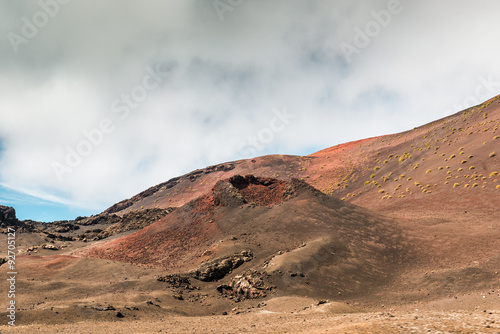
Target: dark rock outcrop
x,y
177,281
148,192
250,285
219,268
131,221
7,215
8,219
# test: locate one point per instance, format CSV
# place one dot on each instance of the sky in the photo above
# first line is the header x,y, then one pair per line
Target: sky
x,y
100,100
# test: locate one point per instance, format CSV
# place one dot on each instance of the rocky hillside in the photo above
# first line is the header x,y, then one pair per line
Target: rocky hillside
x,y
323,246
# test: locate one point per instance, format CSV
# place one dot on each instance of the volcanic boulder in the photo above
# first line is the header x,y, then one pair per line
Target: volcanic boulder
x,y
219,268
250,285
7,216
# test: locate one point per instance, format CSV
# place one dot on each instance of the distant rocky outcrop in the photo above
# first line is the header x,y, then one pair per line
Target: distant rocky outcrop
x,y
64,230
7,215
131,221
8,219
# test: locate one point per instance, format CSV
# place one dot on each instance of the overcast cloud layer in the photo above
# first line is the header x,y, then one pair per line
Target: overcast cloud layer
x,y
203,76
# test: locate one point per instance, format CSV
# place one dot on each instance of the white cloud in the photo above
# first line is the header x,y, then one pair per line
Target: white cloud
x,y
226,77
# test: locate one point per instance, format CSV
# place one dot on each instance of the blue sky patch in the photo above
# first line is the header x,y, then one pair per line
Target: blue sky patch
x,y
28,207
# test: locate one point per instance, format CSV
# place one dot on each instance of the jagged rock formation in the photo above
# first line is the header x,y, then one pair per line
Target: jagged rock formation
x,y
8,219
7,215
219,268
250,285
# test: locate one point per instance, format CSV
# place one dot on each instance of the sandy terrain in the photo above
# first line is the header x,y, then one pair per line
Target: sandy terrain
x,y
318,321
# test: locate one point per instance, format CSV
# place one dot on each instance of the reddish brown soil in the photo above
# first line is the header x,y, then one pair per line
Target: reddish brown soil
x,y
289,226
173,242
439,180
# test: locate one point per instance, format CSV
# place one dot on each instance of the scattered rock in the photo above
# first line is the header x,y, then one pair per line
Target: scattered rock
x,y
50,247
177,281
178,297
220,168
103,308
57,236
64,229
150,302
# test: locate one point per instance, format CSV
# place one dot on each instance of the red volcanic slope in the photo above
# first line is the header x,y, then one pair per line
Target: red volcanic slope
x,y
178,240
440,179
451,158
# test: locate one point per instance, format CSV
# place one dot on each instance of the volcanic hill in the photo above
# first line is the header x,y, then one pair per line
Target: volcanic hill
x,y
439,180
309,243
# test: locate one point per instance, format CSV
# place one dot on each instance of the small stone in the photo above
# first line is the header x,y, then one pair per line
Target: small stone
x,y
50,247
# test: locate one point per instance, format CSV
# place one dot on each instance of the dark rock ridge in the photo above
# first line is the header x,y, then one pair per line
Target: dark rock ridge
x,y
131,221
95,227
219,268
8,219
192,176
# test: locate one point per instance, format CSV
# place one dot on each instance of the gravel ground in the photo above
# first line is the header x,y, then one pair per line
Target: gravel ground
x,y
313,322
